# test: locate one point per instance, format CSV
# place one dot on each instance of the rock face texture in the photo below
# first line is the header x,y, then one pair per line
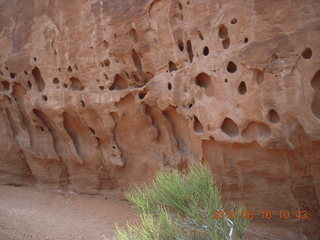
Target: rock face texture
x,y
99,94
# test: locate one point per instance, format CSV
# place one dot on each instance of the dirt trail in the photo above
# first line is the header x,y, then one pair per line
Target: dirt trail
x,y
31,214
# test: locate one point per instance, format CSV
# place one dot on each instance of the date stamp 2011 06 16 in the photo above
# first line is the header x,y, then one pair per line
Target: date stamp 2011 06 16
x,y
264,214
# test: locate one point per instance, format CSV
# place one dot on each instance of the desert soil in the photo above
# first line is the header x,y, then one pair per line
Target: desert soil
x,y
37,214
33,214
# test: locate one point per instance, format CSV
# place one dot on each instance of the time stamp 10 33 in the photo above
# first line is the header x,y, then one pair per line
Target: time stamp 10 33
x,y
263,214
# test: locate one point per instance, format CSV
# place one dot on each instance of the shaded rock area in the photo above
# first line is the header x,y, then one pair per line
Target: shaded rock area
x,y
99,94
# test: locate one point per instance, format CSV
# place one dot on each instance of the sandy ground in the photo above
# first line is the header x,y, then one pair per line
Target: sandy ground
x,y
32,214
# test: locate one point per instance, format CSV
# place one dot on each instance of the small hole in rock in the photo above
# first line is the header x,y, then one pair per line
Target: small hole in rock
x,y
35,59
114,147
82,103
5,85
307,53
106,63
169,86
273,116
190,105
245,40
230,128
180,6
223,32
76,84
203,80
172,66
180,45
142,95
231,67
128,76
197,125
42,129
69,69
26,73
226,43
40,83
6,68
206,51
119,83
189,49
200,35
259,76
92,131
105,44
55,80
242,88
234,21
65,85
225,80
45,98
101,88
12,75
106,76
29,84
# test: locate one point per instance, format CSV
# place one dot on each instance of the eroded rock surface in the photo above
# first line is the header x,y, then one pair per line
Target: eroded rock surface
x,y
99,94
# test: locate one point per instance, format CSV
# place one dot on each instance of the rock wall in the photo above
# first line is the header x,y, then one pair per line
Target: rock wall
x,y
99,94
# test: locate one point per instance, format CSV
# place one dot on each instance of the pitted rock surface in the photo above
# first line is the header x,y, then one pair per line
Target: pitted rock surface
x,y
98,94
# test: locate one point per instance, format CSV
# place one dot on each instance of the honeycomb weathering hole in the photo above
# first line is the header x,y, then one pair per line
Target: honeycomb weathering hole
x,y
76,84
13,75
119,83
5,85
205,51
189,49
232,67
200,35
82,103
203,80
259,76
315,83
133,35
230,128
256,130
55,80
223,32
180,45
142,95
307,53
29,85
226,43
273,116
242,89
38,79
172,66
197,125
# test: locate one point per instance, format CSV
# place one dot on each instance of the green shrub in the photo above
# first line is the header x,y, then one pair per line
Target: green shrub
x,y
176,206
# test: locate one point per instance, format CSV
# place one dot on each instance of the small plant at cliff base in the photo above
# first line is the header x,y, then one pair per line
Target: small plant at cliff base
x,y
176,206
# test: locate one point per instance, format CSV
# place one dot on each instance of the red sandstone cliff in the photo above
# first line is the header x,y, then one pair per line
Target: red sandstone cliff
x,y
98,94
